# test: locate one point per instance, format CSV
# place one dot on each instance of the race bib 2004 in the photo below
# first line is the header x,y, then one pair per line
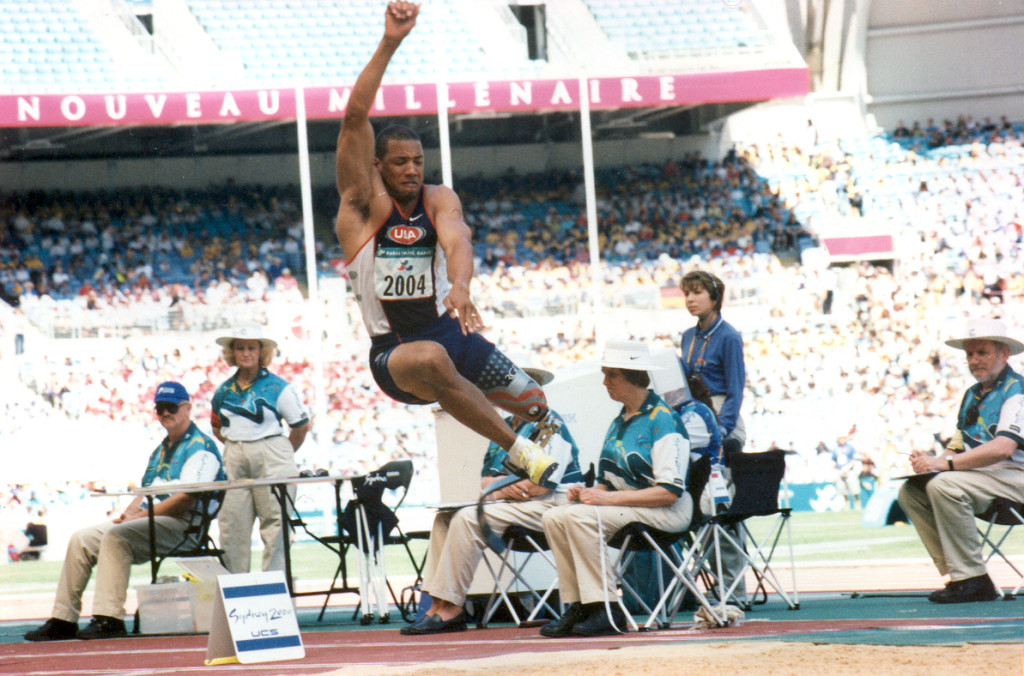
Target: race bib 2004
x,y
403,274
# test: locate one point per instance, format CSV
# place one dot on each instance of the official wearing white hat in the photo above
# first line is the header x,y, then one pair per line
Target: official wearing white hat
x,y
641,477
247,412
984,460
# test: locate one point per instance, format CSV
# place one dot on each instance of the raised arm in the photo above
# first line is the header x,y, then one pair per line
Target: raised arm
x,y
354,160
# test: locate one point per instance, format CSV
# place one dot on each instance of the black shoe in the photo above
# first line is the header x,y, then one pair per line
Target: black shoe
x,y
574,613
971,590
53,630
597,622
435,625
408,630
103,627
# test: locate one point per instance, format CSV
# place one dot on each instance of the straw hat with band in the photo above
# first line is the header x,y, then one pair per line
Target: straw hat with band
x,y
246,332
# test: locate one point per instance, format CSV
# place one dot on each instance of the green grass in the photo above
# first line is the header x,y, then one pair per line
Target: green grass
x,y
838,536
828,536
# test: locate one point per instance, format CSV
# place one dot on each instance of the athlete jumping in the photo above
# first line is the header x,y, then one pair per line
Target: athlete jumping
x,y
410,261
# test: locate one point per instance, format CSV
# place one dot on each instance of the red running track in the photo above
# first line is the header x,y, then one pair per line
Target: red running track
x,y
327,651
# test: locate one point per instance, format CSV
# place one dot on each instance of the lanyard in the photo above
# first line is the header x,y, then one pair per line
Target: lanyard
x,y
700,355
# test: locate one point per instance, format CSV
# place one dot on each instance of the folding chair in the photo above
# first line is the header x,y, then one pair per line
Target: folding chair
x,y
756,478
532,543
398,475
367,519
684,563
1007,513
370,525
196,539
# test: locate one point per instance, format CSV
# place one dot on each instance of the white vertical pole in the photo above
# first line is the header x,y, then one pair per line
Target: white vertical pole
x,y
588,183
441,72
314,308
444,138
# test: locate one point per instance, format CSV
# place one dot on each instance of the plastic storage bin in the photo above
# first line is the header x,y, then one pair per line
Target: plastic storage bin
x,y
166,609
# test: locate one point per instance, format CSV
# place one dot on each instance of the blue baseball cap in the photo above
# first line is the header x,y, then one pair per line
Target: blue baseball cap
x,y
172,392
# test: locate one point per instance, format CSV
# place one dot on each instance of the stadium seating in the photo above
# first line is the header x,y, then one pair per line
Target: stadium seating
x,y
328,43
53,47
49,47
668,28
543,226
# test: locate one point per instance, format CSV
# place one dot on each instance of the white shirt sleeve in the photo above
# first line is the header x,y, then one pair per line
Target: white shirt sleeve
x,y
200,468
697,430
670,457
290,406
1011,424
1011,416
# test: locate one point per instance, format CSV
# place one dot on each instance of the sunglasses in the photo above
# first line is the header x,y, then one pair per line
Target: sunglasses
x,y
166,407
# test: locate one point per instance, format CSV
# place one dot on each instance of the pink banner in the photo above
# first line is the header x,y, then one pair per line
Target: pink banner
x,y
211,107
859,246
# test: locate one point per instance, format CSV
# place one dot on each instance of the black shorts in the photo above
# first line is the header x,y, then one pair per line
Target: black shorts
x,y
469,353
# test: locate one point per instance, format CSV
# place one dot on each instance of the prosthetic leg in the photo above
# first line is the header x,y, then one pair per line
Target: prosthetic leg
x,y
512,389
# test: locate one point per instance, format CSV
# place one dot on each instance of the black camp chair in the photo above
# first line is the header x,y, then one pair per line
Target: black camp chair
x,y
370,525
757,478
1007,514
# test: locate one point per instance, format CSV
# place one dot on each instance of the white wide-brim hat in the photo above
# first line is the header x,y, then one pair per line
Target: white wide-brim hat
x,y
631,355
987,329
246,332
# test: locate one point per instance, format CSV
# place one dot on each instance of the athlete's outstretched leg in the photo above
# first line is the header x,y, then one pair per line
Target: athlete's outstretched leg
x,y
511,388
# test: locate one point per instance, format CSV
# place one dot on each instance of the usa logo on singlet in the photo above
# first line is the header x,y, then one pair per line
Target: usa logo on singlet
x,y
405,234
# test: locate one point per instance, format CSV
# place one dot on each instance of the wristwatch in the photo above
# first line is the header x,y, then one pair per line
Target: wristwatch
x,y
949,461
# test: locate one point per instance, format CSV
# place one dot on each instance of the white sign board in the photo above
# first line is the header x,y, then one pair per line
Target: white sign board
x,y
253,620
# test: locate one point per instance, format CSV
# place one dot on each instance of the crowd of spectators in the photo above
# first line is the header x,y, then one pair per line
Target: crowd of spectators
x,y
965,130
867,359
188,258
686,207
108,250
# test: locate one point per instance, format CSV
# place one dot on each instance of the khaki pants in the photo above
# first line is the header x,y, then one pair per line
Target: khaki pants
x,y
266,458
111,548
572,533
456,543
942,510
